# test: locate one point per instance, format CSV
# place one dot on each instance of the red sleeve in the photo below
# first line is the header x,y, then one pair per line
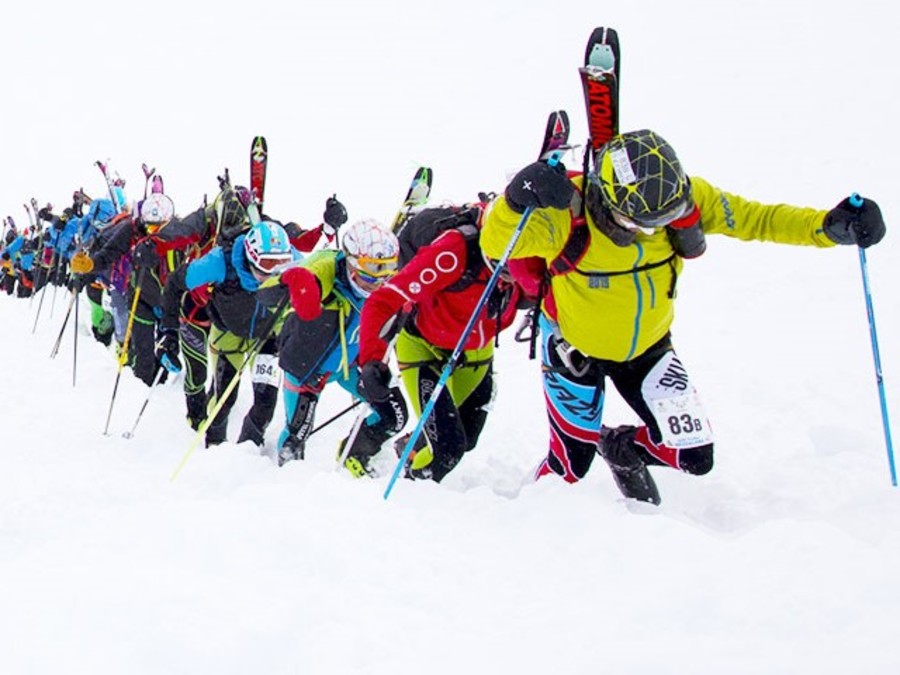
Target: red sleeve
x,y
528,273
432,269
306,295
307,240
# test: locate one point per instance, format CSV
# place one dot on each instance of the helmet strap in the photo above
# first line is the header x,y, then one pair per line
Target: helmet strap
x,y
600,216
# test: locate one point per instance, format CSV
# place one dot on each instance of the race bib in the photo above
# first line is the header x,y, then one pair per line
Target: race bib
x,y
675,405
266,370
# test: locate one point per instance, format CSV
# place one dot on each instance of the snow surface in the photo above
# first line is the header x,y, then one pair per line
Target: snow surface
x,y
782,560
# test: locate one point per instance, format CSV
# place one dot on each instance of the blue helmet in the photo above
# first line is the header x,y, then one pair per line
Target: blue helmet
x,y
267,246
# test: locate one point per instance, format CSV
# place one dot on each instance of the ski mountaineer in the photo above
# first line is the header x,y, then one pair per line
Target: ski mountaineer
x,y
319,342
78,233
112,258
90,235
440,286
8,282
612,244
231,274
194,236
18,259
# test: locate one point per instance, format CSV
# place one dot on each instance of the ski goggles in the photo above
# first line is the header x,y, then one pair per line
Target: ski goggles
x,y
269,264
374,270
655,221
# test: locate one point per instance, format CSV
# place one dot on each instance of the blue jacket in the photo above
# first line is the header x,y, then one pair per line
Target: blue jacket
x,y
234,303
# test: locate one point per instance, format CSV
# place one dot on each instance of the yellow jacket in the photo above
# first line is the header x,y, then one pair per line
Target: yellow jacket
x,y
619,317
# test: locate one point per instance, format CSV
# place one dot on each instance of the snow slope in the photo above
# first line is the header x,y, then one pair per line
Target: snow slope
x,y
781,560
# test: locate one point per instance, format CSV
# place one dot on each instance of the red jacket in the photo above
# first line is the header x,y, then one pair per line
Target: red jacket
x,y
441,312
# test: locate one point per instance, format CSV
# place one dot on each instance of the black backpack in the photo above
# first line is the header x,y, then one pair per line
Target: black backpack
x,y
424,226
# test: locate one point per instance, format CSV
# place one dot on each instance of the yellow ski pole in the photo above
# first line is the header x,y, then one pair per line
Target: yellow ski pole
x,y
220,401
123,355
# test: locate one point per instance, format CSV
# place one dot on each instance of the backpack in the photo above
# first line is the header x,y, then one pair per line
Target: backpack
x,y
423,227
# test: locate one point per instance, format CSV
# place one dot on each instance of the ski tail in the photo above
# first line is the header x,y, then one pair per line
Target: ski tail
x,y
259,157
110,184
148,174
600,81
556,135
416,197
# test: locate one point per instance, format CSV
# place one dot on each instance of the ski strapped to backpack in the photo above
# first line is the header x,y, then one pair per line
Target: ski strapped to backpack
x,y
259,158
416,197
600,81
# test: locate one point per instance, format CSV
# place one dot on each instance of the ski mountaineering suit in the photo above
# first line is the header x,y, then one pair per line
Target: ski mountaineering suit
x,y
611,317
442,306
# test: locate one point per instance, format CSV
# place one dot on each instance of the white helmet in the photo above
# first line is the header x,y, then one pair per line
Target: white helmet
x,y
372,251
156,209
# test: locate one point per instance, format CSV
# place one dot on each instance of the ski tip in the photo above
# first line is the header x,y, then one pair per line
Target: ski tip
x,y
602,49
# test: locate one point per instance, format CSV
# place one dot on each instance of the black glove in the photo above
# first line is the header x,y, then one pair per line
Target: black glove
x,y
540,185
335,214
862,225
374,378
392,413
44,213
144,254
293,230
78,281
166,350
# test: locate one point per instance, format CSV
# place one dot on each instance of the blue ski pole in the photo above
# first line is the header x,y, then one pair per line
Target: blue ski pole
x,y
457,351
857,202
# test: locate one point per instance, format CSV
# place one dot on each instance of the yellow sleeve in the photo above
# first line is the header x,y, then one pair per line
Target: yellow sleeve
x,y
544,235
322,264
729,214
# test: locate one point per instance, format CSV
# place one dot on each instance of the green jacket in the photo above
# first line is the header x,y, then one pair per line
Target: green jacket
x,y
618,317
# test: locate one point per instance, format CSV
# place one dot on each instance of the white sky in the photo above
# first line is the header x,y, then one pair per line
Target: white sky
x,y
352,96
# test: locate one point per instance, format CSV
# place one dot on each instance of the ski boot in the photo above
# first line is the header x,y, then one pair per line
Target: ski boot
x,y
292,448
365,446
412,469
217,432
251,432
629,471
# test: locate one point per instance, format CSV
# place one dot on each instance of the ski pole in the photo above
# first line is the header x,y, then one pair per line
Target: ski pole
x,y
75,343
159,375
459,349
216,408
123,354
857,202
56,275
336,417
351,438
220,401
56,345
41,301
389,332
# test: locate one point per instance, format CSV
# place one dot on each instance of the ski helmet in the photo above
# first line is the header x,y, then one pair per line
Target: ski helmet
x,y
244,195
641,179
230,213
267,246
156,209
372,252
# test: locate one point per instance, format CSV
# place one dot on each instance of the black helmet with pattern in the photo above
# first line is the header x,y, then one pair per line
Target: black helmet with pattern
x,y
641,179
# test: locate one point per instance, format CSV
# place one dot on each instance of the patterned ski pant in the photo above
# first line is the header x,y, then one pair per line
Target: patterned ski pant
x,y
675,430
